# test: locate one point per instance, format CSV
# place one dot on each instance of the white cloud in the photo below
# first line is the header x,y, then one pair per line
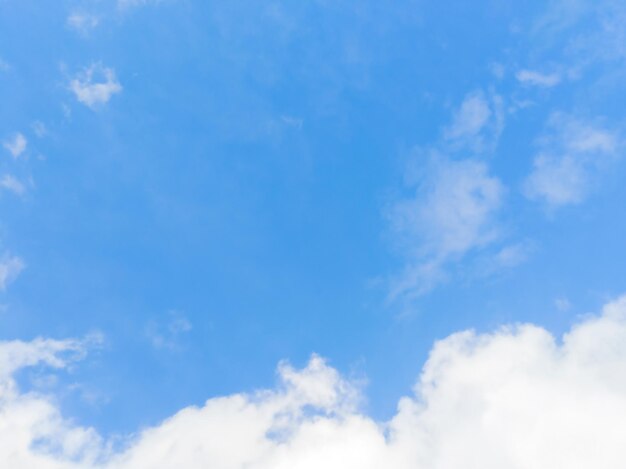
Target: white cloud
x,y
16,354
95,85
530,77
4,65
477,123
10,268
11,184
82,22
453,212
16,145
572,154
32,431
515,398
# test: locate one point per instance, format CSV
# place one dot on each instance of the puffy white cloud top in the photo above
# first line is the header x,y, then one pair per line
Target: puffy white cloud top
x,y
515,398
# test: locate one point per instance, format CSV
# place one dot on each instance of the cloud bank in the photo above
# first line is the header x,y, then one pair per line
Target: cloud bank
x,y
516,398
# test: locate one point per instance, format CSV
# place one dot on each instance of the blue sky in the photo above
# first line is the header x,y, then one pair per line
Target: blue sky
x,y
197,191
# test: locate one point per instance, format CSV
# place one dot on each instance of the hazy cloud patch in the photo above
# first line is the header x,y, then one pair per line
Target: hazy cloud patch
x,y
95,85
477,123
10,267
452,212
572,153
533,78
82,22
12,184
16,145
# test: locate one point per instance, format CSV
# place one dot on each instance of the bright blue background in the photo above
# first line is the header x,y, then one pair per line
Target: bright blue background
x,y
241,178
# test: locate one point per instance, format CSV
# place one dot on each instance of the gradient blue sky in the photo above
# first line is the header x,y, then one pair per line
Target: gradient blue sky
x,y
209,187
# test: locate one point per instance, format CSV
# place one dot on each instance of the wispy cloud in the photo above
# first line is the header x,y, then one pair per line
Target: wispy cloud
x,y
16,145
477,123
452,210
451,213
533,78
167,332
571,154
584,32
40,129
10,267
95,85
503,259
82,22
515,397
562,304
10,183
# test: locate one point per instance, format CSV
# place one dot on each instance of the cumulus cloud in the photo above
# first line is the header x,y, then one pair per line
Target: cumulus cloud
x,y
32,430
95,85
571,154
517,397
452,212
10,268
16,145
530,77
11,184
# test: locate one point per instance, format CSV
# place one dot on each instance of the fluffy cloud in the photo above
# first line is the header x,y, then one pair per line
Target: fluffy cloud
x,y
571,155
10,268
530,77
452,212
32,431
16,145
517,397
95,85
